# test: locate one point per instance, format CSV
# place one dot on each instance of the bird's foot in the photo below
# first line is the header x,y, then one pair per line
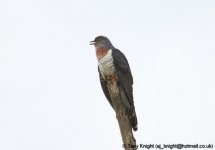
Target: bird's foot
x,y
111,78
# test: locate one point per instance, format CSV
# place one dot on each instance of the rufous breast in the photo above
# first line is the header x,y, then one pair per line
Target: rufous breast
x,y
100,53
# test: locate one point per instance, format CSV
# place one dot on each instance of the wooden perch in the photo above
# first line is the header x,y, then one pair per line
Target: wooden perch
x,y
128,139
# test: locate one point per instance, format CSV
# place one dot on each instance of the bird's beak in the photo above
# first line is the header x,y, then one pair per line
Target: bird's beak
x,y
92,42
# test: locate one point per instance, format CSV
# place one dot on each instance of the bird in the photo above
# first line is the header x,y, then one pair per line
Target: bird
x,y
112,62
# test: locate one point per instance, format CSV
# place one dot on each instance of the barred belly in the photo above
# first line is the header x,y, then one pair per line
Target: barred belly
x,y
106,65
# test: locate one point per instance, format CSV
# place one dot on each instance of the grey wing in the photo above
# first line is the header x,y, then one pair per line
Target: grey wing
x,y
125,82
124,75
105,88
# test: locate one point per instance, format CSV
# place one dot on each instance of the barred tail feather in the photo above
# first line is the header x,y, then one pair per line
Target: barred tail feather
x,y
133,120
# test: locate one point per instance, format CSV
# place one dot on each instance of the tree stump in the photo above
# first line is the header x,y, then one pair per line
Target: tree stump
x,y
129,142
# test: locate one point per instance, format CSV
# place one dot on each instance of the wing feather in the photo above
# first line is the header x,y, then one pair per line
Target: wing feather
x,y
105,88
124,74
125,84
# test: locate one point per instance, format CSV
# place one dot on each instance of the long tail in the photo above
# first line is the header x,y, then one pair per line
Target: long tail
x,y
133,119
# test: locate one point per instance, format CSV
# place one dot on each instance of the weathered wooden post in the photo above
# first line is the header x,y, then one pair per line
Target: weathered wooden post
x,y
128,139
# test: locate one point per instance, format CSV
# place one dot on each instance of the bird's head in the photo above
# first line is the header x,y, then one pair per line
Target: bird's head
x,y
102,42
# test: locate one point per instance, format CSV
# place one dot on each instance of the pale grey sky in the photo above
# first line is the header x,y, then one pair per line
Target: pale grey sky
x,y
50,95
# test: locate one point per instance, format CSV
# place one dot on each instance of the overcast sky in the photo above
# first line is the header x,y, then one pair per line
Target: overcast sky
x,y
50,95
